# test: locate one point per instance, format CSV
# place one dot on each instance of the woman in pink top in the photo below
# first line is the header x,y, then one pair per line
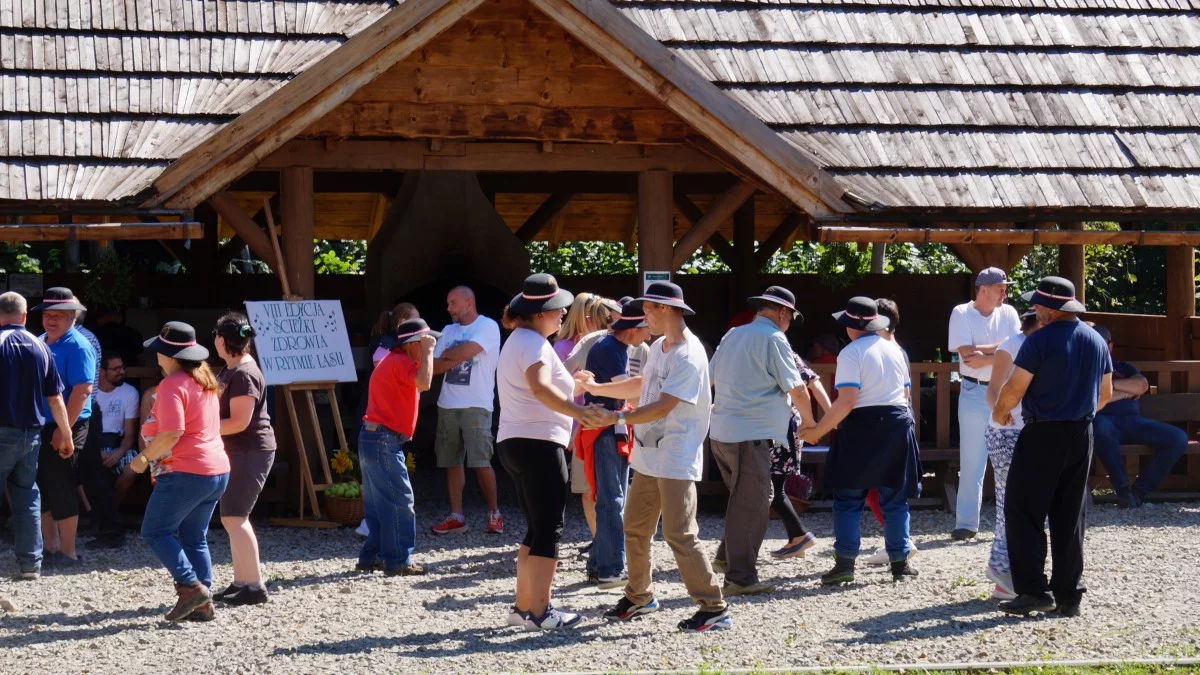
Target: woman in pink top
x,y
190,467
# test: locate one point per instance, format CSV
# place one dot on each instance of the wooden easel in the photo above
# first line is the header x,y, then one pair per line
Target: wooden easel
x,y
307,484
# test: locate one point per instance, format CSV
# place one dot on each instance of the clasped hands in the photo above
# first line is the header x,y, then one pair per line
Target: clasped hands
x,y
596,416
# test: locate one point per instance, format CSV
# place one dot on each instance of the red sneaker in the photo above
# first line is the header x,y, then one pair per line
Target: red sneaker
x,y
449,526
495,523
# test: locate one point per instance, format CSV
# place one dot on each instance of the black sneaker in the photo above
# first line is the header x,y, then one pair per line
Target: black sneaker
x,y
1026,604
246,596
1070,609
593,579
1126,499
626,609
962,534
369,567
704,621
108,540
902,571
231,589
842,572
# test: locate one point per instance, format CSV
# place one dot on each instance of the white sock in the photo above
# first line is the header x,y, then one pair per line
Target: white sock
x,y
459,517
254,586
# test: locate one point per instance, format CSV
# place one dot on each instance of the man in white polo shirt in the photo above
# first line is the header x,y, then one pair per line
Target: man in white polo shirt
x,y
976,329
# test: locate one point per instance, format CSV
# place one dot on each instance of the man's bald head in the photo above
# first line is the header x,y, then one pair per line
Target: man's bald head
x,y
13,308
460,305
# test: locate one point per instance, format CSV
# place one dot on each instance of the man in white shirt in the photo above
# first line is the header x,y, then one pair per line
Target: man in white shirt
x,y
467,354
118,402
976,329
669,427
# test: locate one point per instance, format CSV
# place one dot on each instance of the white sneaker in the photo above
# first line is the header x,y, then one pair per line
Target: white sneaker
x,y
1004,584
362,529
878,557
553,619
609,583
515,616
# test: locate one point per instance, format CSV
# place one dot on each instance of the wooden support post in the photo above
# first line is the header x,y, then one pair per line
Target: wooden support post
x,y
744,272
1070,262
1181,298
298,225
655,221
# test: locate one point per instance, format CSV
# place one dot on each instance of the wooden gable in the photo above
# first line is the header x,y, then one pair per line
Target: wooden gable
x,y
506,71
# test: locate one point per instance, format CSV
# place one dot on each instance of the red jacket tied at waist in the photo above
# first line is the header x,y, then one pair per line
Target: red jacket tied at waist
x,y
584,446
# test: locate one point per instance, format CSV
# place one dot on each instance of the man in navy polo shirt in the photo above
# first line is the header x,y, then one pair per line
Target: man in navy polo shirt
x,y
1062,375
27,379
75,360
1121,421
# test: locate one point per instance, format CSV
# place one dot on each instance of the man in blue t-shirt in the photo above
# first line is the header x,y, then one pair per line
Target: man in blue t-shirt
x,y
76,363
1121,421
1061,376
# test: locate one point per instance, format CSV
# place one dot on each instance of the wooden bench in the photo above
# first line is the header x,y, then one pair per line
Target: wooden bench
x,y
1181,409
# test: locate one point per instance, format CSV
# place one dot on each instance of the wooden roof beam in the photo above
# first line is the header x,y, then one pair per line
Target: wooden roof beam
x,y
718,212
550,208
521,156
101,231
244,226
1007,236
774,241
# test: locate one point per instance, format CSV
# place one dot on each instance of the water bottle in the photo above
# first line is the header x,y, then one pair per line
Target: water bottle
x,y
937,355
954,376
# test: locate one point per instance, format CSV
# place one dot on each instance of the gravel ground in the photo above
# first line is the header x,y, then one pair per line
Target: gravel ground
x,y
1142,571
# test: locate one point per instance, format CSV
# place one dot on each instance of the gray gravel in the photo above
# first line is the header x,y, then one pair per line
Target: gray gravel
x,y
1143,574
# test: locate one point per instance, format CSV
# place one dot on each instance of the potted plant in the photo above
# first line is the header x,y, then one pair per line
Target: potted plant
x,y
343,499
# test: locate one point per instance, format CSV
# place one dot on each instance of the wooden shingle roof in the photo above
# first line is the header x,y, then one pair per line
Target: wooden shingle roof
x,y
97,97
956,104
919,104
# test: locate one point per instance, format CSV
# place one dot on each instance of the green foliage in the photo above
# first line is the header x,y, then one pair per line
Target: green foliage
x,y
578,258
110,283
17,258
340,256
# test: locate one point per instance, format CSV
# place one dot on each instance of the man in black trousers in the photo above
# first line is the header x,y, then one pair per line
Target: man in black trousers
x,y
1062,376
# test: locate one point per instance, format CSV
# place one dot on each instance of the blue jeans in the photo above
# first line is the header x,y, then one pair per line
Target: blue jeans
x,y
18,468
973,415
607,557
1110,431
175,526
387,500
847,512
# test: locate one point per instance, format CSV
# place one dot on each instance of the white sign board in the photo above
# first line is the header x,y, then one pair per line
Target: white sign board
x,y
649,277
303,341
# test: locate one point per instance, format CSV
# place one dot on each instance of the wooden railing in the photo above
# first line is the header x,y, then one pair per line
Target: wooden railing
x,y
1164,376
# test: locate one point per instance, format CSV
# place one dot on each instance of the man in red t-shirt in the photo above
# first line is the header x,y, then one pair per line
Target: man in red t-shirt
x,y
387,429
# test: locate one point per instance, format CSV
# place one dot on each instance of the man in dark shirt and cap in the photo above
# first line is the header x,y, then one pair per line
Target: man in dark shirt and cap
x,y
30,380
1062,375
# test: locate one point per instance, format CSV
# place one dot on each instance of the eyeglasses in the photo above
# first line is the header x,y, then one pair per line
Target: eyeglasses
x,y
116,369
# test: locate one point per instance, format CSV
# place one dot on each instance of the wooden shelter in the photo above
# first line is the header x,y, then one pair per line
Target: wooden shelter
x,y
743,126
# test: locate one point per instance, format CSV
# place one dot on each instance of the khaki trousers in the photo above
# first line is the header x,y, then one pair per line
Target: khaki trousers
x,y
746,469
674,501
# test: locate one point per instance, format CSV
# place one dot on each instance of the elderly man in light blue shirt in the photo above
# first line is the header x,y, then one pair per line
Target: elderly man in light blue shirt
x,y
753,373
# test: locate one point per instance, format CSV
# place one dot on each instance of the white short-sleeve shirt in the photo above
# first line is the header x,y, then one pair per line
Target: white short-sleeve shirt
x,y
521,414
116,406
969,327
1011,346
472,383
673,447
878,368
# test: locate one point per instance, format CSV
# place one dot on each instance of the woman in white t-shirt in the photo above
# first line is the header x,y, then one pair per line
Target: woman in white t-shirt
x,y
536,413
1001,442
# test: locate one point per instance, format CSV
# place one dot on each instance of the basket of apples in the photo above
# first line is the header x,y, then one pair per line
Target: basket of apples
x,y
343,502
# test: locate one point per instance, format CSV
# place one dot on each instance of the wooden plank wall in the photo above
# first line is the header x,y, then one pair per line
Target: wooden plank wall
x,y
505,71
1136,337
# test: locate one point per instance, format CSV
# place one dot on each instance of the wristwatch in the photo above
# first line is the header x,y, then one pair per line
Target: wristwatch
x,y
621,419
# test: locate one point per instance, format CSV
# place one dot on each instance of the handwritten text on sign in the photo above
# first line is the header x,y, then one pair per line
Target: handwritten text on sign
x,y
302,341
